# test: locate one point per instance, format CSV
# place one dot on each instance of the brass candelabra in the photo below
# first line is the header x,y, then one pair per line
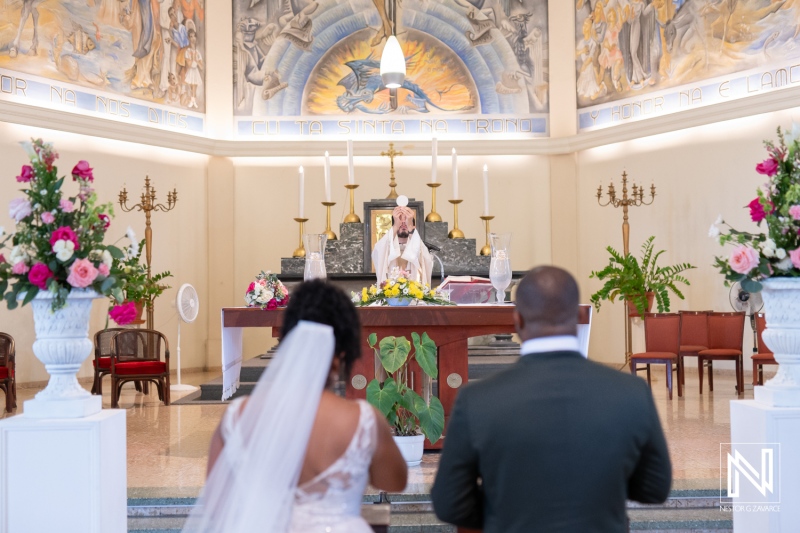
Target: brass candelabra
x,y
301,250
487,250
433,216
148,204
635,200
455,233
328,232
352,218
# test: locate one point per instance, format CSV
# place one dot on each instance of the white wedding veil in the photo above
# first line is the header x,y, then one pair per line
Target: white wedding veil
x,y
253,483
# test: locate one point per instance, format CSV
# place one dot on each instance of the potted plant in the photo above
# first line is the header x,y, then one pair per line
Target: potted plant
x,y
408,413
138,290
639,282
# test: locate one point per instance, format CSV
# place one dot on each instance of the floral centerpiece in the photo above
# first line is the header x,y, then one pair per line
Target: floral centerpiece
x,y
776,253
58,244
138,290
267,292
398,288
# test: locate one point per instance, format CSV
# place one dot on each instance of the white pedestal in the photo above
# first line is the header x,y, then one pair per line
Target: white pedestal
x,y
65,475
755,422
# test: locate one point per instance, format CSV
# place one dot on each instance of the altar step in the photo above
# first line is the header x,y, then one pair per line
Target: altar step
x,y
480,367
684,512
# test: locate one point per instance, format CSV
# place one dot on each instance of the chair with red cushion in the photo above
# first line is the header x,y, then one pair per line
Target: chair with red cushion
x,y
662,334
102,356
694,337
140,355
725,340
7,381
764,355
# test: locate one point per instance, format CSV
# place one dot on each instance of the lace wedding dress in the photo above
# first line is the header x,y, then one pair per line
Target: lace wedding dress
x,y
331,502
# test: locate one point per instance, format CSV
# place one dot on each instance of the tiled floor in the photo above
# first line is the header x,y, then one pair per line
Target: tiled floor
x,y
167,446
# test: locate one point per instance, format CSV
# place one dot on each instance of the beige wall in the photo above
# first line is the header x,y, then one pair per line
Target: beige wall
x,y
180,237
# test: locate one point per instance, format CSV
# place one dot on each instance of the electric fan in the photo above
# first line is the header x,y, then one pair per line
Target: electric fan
x,y
188,307
749,302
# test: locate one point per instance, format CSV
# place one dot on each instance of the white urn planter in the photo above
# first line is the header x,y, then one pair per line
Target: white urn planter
x,y
411,448
782,336
62,344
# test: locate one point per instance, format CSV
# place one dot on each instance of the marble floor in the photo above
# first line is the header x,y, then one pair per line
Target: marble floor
x,y
167,446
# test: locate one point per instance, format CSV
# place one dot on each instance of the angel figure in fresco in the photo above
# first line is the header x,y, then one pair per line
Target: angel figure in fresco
x,y
589,86
29,8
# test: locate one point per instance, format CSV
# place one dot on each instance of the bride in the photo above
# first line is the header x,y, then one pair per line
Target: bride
x,y
295,457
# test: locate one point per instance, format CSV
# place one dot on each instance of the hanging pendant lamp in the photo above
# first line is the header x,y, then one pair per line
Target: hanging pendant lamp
x,y
393,62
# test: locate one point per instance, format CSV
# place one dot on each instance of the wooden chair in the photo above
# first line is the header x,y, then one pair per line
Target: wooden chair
x,y
7,381
725,339
694,337
764,355
102,359
137,356
662,333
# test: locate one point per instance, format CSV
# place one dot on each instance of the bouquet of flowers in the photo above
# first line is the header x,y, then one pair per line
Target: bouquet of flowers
x,y
398,286
757,256
58,243
267,292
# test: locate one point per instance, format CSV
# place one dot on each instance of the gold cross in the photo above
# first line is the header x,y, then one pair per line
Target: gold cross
x,y
392,154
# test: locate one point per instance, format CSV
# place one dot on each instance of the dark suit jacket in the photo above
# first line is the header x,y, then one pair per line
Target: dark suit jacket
x,y
555,443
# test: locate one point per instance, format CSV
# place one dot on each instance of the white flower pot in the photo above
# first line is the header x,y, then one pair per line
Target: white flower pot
x,y
411,448
782,336
62,344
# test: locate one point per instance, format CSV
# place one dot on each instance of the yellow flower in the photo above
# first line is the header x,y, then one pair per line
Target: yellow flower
x,y
364,296
373,290
401,280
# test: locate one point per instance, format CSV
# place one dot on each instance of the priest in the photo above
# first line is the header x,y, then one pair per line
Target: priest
x,y
402,248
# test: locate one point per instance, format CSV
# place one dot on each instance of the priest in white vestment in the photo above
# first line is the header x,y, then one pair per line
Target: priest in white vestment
x,y
402,248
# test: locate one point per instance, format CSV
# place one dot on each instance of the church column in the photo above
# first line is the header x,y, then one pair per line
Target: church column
x,y
219,70
563,123
221,290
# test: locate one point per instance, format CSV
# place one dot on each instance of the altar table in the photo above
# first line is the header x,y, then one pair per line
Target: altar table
x,y
448,326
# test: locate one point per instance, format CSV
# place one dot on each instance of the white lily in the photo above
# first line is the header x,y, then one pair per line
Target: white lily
x,y
713,231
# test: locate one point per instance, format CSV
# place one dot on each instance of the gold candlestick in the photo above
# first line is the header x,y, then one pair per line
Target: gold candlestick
x,y
328,233
455,233
301,250
433,216
352,218
391,154
487,250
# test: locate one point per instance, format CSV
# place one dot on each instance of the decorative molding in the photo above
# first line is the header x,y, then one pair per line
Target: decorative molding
x,y
28,115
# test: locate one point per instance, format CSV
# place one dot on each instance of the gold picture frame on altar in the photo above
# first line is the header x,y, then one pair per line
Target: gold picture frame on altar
x,y
378,220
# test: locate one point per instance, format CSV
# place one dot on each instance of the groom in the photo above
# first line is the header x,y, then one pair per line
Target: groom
x,y
402,248
556,443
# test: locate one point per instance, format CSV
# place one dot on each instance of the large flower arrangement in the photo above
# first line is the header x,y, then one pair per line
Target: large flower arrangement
x,y
267,292
58,243
757,256
398,286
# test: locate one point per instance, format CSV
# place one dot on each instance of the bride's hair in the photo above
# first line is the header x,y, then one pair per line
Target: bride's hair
x,y
319,301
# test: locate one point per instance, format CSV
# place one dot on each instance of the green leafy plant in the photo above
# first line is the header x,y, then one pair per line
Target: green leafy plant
x,y
628,278
406,411
136,287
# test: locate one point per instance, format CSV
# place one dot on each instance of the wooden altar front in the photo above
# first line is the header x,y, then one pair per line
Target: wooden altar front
x,y
448,326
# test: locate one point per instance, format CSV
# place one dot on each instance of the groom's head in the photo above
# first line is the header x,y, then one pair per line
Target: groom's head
x,y
547,303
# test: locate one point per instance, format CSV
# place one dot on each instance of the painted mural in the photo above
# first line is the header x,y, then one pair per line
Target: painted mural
x,y
306,67
657,56
101,51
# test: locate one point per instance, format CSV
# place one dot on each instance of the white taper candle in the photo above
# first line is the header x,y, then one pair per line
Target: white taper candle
x,y
351,174
434,154
485,191
327,177
455,175
302,191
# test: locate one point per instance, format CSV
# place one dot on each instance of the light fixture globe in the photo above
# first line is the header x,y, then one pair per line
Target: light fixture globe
x,y
393,64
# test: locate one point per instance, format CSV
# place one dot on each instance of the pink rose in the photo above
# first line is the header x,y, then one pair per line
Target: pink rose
x,y
39,275
2,258
768,167
83,171
262,282
26,174
794,212
104,270
251,286
19,208
757,213
794,255
105,219
48,218
64,233
743,259
66,205
272,304
124,313
20,269
82,273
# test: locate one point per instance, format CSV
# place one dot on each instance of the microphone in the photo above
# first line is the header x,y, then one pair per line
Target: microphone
x,y
431,247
